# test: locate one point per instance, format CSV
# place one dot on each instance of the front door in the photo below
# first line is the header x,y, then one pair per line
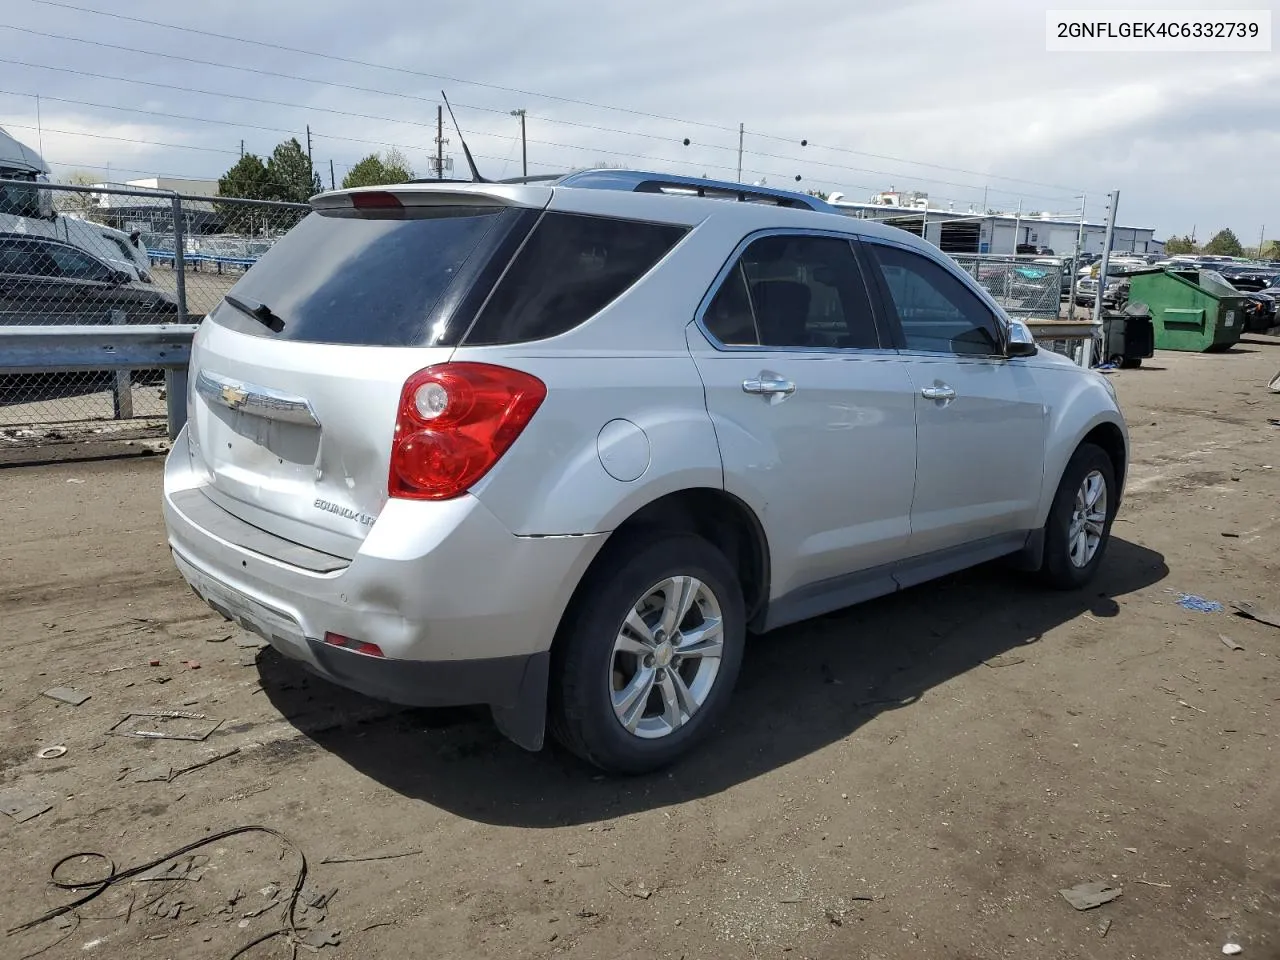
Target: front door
x,y
981,421
814,416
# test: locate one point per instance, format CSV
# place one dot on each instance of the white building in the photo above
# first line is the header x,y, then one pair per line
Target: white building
x,y
973,231
191,188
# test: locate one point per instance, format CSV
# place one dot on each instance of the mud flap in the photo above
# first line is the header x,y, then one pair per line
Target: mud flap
x,y
524,722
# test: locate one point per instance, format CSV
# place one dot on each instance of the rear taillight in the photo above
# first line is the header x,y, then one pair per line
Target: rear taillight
x,y
456,420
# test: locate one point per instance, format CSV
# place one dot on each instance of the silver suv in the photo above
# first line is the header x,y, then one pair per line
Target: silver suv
x,y
559,447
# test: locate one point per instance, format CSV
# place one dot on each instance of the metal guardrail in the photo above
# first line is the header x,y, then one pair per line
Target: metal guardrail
x,y
67,348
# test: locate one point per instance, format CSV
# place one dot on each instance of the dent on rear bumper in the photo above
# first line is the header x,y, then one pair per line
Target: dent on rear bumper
x,y
431,582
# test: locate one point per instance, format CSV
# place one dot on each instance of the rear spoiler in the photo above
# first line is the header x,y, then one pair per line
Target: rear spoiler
x,y
405,196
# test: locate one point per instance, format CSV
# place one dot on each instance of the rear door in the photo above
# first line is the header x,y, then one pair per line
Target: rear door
x,y
814,416
297,375
981,421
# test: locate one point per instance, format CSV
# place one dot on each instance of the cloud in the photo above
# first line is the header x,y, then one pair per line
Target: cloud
x,y
965,86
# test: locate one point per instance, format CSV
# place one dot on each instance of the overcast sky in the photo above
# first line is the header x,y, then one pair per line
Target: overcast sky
x,y
964,88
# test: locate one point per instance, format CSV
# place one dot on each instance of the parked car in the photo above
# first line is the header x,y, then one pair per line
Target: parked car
x,y
558,447
50,281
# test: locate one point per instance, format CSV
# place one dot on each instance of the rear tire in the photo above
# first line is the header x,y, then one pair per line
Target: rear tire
x,y
1079,524
635,684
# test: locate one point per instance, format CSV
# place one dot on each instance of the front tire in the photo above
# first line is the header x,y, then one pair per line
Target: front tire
x,y
649,654
1079,524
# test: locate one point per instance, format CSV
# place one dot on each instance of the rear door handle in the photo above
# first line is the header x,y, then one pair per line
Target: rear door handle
x,y
938,392
769,386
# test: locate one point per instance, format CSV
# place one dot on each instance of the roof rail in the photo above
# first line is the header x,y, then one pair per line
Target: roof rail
x,y
639,181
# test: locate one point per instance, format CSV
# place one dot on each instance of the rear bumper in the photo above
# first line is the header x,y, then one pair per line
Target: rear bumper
x,y
463,611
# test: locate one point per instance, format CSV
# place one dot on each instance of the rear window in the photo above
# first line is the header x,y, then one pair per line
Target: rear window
x,y
571,268
367,282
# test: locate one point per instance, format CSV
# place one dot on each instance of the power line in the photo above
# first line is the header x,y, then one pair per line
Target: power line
x,y
515,90
103,136
380,66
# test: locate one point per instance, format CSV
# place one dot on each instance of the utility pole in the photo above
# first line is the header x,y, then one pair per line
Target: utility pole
x,y
439,143
39,127
333,184
310,166
1075,262
524,144
1262,238
984,201
741,130
1113,201
1017,227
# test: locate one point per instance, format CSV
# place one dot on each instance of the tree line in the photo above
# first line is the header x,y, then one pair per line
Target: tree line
x,y
1224,243
288,174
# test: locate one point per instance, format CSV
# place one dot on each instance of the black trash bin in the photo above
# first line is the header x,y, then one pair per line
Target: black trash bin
x,y
1128,336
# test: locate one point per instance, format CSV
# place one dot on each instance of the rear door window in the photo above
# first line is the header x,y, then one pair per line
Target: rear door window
x,y
571,268
795,290
368,281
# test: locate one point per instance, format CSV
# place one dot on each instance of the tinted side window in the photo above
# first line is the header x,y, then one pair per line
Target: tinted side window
x,y
570,269
19,258
808,292
729,316
77,265
938,313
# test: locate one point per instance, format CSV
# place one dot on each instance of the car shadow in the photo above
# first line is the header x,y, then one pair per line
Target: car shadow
x,y
800,689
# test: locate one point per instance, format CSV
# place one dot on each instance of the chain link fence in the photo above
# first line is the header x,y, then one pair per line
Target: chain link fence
x,y
1024,287
115,255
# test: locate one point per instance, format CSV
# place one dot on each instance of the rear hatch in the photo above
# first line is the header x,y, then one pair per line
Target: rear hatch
x,y
297,374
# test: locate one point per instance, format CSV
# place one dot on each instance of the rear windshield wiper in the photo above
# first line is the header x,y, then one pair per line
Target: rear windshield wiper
x,y
259,311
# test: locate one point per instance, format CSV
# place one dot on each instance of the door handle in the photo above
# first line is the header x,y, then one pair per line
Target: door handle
x,y
769,386
939,392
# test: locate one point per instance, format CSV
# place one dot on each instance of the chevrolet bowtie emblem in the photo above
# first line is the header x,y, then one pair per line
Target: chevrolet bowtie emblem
x,y
234,396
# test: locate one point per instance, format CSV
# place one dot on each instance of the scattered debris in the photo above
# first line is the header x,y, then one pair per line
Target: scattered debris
x,y
1231,949
864,897
248,641
1106,928
74,480
1189,601
67,695
223,639
316,939
834,918
153,663
372,856
190,867
1251,611
166,725
1152,883
317,899
641,892
192,664
389,923
585,914
1086,896
52,753
1131,849
168,908
22,806
1229,534
1229,642
1004,660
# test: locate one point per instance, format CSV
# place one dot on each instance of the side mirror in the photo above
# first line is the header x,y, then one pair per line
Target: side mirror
x,y
1020,342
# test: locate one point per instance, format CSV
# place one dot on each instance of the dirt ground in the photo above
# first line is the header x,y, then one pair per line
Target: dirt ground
x,y
916,777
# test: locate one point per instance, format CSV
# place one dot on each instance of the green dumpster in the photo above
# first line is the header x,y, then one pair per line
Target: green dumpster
x,y
1192,310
